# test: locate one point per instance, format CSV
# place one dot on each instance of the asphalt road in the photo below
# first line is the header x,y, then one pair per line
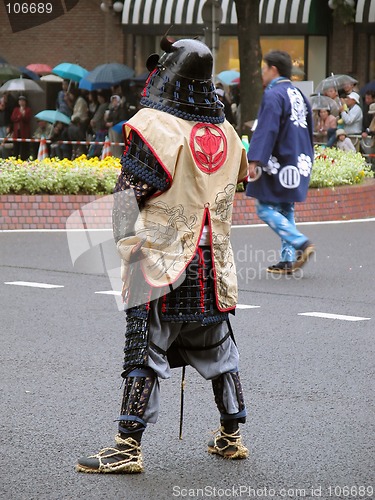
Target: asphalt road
x,y
308,380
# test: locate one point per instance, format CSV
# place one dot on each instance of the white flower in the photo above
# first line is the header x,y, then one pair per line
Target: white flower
x,y
273,166
304,164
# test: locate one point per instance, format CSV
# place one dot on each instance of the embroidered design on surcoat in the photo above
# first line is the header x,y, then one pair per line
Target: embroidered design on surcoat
x,y
209,147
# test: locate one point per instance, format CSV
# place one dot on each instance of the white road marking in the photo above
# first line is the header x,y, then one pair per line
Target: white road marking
x,y
109,292
311,223
334,316
235,226
245,306
32,284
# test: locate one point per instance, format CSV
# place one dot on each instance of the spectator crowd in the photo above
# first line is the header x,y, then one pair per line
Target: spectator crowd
x,y
349,124
89,116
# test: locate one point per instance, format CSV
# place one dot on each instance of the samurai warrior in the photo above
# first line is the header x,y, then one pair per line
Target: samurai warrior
x,y
172,216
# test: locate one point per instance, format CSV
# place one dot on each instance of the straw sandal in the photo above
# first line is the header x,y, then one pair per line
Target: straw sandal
x,y
227,446
126,458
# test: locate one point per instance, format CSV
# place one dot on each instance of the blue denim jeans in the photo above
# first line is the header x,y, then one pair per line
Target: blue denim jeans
x,y
280,218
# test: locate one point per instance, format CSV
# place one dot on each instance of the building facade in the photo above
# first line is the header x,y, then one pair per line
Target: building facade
x,y
90,33
318,43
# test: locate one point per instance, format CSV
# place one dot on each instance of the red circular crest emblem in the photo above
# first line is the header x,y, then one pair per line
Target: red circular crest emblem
x,y
209,147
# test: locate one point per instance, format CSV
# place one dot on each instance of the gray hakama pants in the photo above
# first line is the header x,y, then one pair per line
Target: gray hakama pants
x,y
210,363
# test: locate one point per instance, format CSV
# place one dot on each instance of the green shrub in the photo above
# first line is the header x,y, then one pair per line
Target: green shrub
x,y
332,167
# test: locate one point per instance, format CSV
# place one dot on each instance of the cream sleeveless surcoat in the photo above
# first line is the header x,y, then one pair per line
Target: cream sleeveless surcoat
x,y
204,163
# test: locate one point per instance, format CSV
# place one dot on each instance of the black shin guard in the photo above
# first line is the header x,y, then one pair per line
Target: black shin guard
x,y
218,385
137,390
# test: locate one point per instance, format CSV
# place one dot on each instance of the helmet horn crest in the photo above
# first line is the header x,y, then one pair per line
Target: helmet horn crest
x,y
167,45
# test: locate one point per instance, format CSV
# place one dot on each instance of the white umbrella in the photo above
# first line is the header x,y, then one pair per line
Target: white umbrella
x,y
335,81
324,102
22,85
51,78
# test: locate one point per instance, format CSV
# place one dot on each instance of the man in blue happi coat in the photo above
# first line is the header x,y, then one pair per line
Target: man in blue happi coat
x,y
280,159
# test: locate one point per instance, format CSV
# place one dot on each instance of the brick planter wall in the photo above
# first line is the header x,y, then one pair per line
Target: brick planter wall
x,y
340,203
52,211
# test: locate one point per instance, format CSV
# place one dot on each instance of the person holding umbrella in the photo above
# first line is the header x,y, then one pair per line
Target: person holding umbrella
x,y
351,115
115,114
63,102
325,124
97,123
21,120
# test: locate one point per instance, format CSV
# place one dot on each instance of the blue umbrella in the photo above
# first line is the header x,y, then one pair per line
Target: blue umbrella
x,y
70,71
105,76
118,127
228,76
29,73
53,116
370,86
141,78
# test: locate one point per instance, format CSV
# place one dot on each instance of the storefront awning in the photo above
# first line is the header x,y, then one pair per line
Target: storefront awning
x,y
365,16
155,17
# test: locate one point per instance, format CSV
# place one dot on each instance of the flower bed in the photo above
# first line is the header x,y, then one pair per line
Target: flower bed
x,y
28,198
54,176
332,167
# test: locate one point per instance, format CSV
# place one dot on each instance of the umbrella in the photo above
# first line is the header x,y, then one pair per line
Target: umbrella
x,y
118,126
324,102
70,71
29,74
7,71
370,86
105,76
140,78
51,78
53,116
21,85
39,68
228,76
335,81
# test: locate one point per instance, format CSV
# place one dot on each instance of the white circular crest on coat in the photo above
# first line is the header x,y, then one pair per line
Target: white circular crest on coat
x,y
289,177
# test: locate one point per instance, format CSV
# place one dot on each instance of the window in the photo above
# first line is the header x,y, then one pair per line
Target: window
x,y
227,56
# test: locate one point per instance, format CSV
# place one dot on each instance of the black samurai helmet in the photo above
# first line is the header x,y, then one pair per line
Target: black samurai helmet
x,y
180,82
